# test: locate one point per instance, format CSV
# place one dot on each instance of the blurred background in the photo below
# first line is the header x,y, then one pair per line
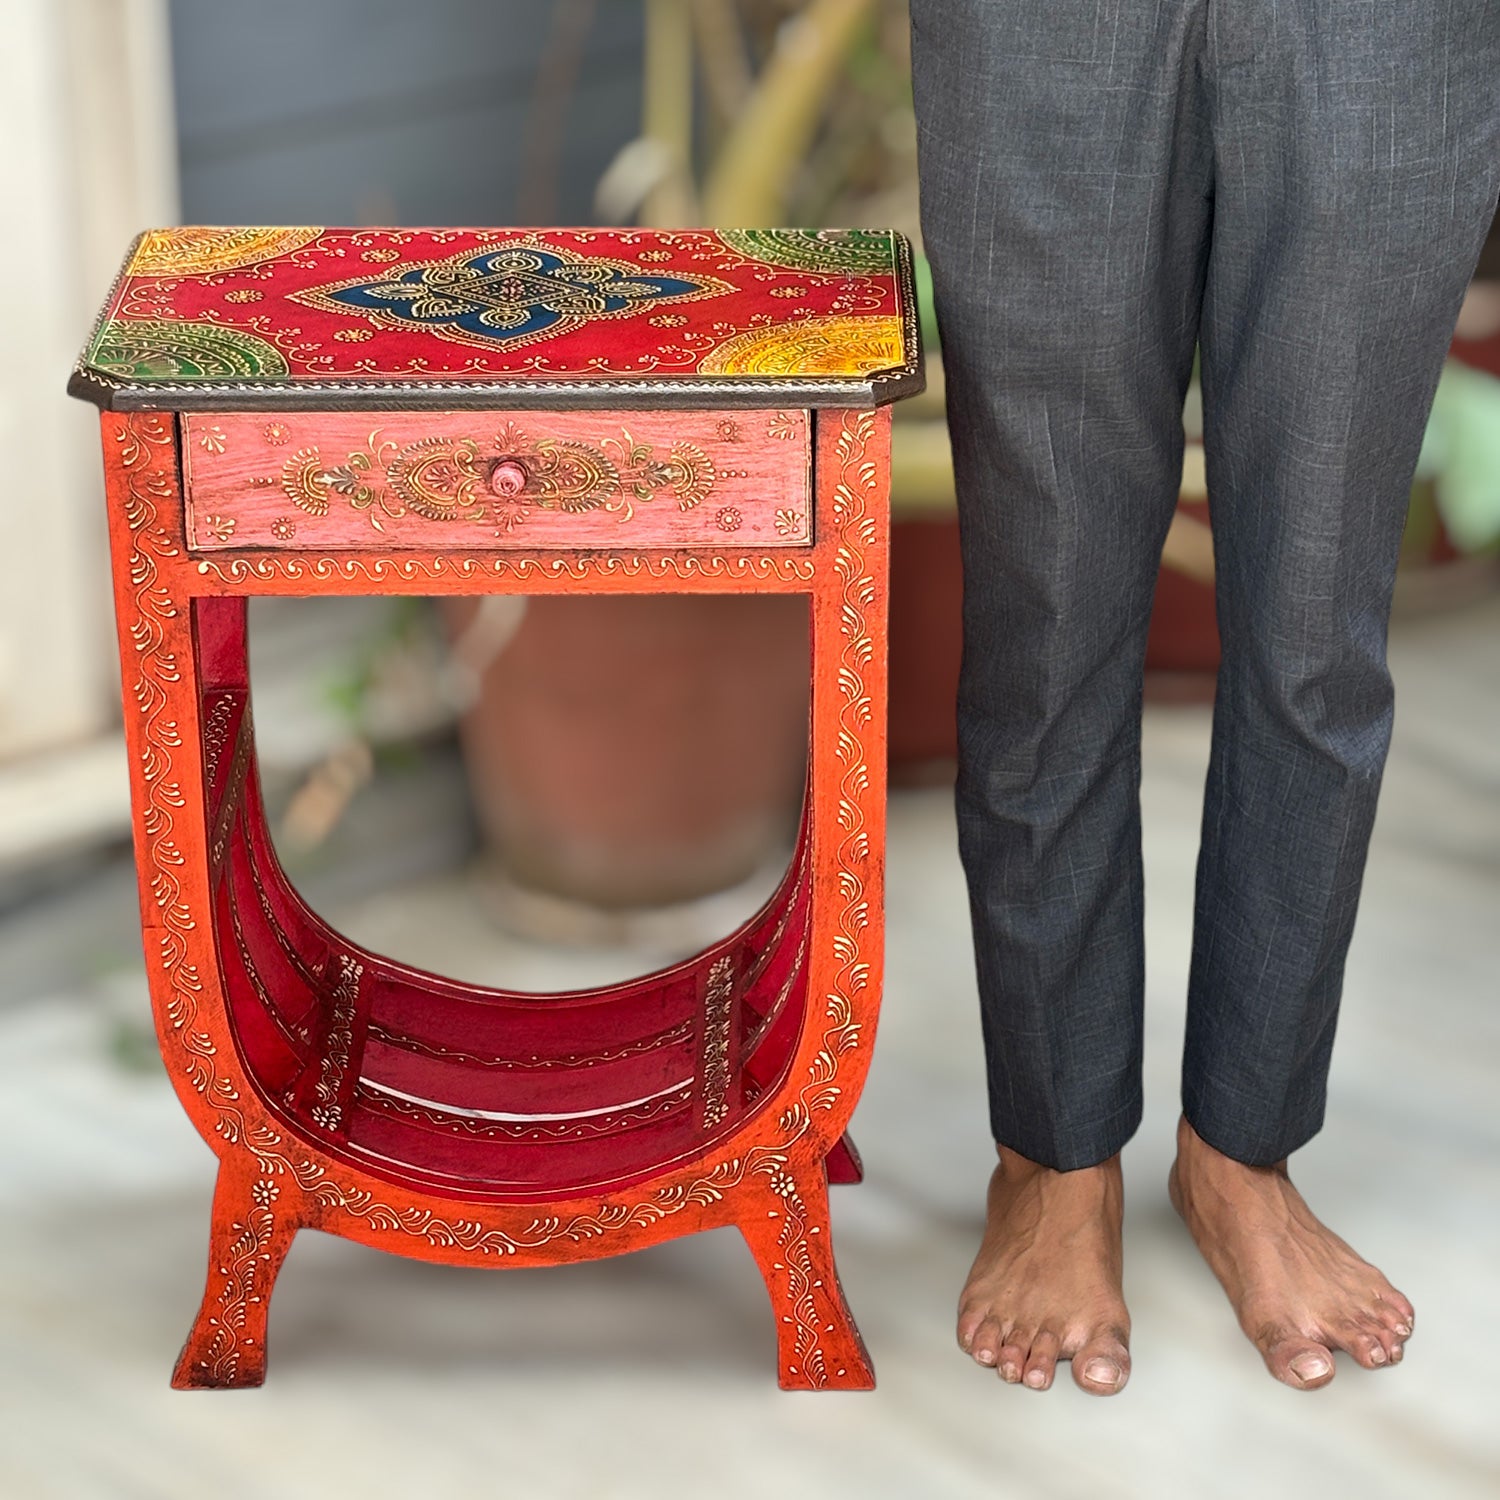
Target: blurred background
x,y
412,761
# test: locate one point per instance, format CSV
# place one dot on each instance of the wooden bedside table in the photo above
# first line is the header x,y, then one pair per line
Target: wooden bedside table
x,y
304,411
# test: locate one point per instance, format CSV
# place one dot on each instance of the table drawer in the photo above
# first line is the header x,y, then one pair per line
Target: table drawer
x,y
352,481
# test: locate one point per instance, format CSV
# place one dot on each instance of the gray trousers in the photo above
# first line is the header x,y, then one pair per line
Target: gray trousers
x,y
1299,189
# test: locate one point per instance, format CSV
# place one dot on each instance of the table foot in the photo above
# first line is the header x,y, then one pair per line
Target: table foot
x,y
253,1227
784,1218
844,1164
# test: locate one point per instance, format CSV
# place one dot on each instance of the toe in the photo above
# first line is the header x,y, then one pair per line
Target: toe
x,y
969,1321
974,1311
1013,1359
1396,1311
1301,1363
1041,1363
1390,1341
1102,1366
1391,1319
1366,1346
984,1341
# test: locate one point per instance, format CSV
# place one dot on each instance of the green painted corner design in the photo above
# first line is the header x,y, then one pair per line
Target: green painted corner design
x,y
852,252
164,349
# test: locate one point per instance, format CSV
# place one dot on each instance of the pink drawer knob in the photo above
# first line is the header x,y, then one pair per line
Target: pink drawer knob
x,y
508,478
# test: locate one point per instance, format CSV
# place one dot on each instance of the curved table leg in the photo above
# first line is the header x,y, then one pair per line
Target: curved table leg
x,y
784,1218
253,1227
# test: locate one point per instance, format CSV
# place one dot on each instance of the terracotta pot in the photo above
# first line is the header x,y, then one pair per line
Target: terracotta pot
x,y
635,751
1482,354
1182,642
926,642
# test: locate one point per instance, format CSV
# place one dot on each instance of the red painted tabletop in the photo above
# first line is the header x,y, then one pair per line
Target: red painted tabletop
x,y
250,318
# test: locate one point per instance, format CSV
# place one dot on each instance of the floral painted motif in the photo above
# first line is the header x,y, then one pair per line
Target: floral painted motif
x,y
864,251
812,346
159,349
509,479
194,251
497,483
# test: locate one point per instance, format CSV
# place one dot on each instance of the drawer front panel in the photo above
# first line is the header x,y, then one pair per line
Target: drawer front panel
x,y
358,481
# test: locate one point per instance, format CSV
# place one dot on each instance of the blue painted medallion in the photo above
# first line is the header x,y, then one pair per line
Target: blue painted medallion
x,y
509,295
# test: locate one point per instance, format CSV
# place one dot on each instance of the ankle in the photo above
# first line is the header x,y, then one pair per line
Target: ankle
x,y
1015,1168
1199,1158
1012,1164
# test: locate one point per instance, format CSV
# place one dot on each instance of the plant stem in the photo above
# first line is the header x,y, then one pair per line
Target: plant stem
x,y
747,185
667,116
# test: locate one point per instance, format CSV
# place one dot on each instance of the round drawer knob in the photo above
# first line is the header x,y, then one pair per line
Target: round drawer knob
x,y
508,477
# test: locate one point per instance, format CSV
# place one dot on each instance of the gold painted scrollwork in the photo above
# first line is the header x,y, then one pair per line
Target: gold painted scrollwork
x,y
461,479
438,478
193,250
567,475
306,482
829,345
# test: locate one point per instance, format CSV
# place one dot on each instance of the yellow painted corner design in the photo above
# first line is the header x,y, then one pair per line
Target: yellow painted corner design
x,y
812,347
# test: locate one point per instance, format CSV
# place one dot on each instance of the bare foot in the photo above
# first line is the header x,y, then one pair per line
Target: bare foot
x,y
1298,1290
1045,1285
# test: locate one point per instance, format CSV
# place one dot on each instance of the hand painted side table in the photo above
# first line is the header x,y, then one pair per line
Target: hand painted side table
x,y
293,411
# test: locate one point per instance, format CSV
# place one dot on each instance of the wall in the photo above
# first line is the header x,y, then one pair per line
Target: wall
x,y
85,113
370,111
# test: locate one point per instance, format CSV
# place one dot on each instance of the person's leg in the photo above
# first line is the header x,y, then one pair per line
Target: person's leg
x,y
1357,153
1065,172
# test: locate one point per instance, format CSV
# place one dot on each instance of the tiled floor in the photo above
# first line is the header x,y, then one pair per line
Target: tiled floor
x,y
652,1376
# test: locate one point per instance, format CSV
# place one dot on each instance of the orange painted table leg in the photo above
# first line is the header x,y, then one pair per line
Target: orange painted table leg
x,y
347,1092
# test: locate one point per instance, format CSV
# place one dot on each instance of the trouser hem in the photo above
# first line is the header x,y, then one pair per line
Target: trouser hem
x,y
1078,1148
1250,1145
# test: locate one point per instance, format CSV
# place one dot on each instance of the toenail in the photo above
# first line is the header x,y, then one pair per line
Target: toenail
x,y
986,1356
1377,1355
1010,1374
1102,1371
1036,1378
1403,1330
1309,1366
